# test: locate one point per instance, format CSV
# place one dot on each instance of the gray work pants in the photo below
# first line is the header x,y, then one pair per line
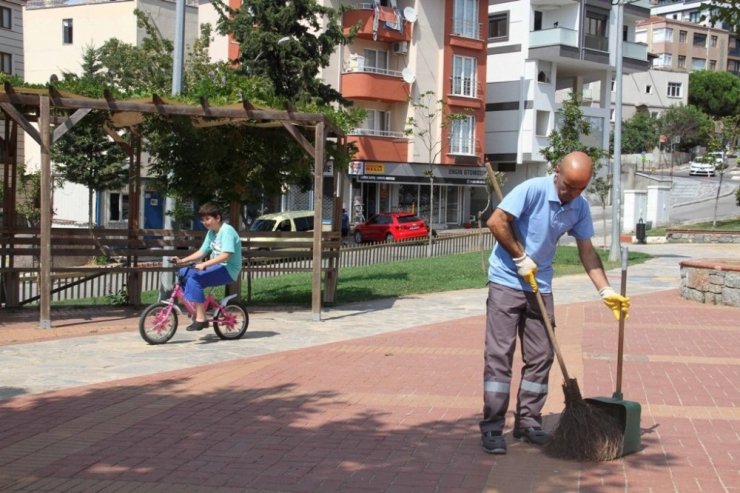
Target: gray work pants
x,y
511,313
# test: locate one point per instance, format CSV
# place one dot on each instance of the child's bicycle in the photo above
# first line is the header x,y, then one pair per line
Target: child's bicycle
x,y
158,322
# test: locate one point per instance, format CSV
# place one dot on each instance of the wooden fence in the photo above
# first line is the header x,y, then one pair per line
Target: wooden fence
x,y
70,283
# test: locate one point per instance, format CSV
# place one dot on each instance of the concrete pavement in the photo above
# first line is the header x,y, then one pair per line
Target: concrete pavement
x,y
379,396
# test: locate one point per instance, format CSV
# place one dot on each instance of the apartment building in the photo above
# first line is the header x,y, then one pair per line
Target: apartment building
x,y
11,62
57,32
684,46
403,50
538,52
689,11
653,91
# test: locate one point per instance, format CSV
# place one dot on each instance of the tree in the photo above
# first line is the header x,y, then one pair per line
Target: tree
x,y
723,11
287,43
687,122
639,133
431,116
715,93
566,138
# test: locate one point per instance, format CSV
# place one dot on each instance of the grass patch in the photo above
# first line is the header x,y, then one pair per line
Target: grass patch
x,y
723,225
390,280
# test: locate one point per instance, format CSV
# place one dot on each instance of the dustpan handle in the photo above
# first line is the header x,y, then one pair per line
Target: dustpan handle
x,y
538,295
620,346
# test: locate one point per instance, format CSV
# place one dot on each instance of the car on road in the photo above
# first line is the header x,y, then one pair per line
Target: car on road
x,y
707,164
391,226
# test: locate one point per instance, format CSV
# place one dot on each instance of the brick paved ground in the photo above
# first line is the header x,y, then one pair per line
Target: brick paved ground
x,y
395,412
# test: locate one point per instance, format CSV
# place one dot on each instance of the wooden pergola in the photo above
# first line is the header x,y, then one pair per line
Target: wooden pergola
x,y
23,107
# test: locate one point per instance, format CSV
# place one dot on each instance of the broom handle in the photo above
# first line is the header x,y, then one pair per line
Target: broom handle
x,y
620,347
538,295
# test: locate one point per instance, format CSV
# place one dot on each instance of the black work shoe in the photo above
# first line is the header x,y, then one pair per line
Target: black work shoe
x,y
493,442
197,325
533,435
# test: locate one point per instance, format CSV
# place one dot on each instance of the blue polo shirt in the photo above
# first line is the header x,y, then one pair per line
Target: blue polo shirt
x,y
540,220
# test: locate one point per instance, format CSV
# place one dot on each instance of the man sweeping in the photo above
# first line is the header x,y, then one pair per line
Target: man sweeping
x,y
538,211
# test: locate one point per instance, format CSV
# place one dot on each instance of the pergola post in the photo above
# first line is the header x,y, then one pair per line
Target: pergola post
x,y
44,278
318,203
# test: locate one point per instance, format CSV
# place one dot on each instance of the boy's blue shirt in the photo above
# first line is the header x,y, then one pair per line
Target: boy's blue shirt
x,y
226,240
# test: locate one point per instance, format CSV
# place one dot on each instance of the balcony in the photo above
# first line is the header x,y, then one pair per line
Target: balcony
x,y
635,51
374,84
387,27
553,37
373,147
596,43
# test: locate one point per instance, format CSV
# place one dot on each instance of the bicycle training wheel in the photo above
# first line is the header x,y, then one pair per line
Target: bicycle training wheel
x,y
232,321
158,323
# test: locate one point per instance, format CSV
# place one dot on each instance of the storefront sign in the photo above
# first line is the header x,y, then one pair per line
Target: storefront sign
x,y
374,168
417,173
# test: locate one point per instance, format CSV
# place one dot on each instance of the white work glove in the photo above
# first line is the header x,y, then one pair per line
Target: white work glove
x,y
617,303
526,268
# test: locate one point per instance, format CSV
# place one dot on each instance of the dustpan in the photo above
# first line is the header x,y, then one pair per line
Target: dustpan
x,y
627,413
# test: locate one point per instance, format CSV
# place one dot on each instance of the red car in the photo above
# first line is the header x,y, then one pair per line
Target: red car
x,y
391,226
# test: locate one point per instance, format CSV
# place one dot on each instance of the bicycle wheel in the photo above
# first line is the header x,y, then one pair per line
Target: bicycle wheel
x,y
158,323
231,322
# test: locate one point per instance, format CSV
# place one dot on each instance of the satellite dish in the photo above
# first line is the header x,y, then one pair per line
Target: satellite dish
x,y
409,14
408,75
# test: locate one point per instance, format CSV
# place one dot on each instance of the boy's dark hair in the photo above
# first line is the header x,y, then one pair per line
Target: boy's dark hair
x,y
210,209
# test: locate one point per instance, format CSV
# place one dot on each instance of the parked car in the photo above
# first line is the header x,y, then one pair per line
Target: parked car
x,y
391,226
285,222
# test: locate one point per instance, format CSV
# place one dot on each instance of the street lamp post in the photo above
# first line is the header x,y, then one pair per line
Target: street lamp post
x,y
614,251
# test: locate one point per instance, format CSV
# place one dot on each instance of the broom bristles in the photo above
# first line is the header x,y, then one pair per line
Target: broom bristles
x,y
585,432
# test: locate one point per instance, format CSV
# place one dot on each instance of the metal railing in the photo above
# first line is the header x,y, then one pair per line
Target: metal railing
x,y
377,133
372,70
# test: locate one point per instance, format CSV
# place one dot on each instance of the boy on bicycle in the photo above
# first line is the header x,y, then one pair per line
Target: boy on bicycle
x,y
223,245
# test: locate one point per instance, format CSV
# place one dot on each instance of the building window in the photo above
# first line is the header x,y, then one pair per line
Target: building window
x,y
655,114
681,61
663,60
663,35
674,89
6,18
463,76
118,206
698,63
461,136
614,85
498,26
700,40
694,16
67,31
375,61
713,41
377,122
612,115
465,19
712,64
683,36
542,125
648,89
6,63
596,31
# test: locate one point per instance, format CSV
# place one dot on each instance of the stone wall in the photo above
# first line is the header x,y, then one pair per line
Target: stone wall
x,y
701,236
711,281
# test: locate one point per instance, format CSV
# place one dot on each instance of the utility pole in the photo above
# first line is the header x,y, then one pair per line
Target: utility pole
x,y
615,251
166,280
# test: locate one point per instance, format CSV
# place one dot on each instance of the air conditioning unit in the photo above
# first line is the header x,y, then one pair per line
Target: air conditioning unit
x,y
401,47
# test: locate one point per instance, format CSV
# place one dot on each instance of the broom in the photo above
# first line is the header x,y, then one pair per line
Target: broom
x,y
584,432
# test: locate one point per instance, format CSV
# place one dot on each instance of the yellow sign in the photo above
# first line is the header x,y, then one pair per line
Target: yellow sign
x,y
377,169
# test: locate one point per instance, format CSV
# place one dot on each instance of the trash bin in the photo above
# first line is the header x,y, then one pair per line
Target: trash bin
x,y
640,232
